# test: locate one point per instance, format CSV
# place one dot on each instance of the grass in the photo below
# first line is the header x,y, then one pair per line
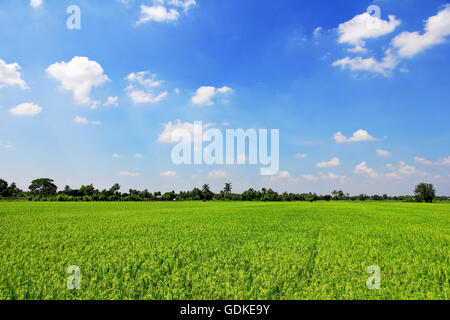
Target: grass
x,y
220,250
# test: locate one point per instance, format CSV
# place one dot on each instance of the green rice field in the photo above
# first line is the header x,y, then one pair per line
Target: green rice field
x,y
224,250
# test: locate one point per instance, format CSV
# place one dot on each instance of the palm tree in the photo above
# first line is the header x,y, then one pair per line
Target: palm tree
x,y
227,189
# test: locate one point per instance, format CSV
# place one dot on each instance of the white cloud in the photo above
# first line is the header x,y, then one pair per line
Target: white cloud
x,y
384,67
301,156
441,162
359,136
26,109
79,76
111,101
437,28
282,175
186,4
335,162
404,45
36,3
140,96
218,174
364,170
10,75
205,95
401,172
116,155
128,174
157,13
333,176
84,121
138,155
168,174
144,78
383,153
310,178
365,26
170,128
148,82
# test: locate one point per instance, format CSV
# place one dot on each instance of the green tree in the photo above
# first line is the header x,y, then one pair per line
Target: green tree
x,y
3,187
43,187
227,190
206,192
425,192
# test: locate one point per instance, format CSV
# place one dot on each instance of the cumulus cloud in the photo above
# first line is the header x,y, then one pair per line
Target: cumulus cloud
x,y
437,28
384,67
335,162
116,155
282,175
164,11
218,174
169,128
310,178
359,136
400,172
333,176
5,145
157,13
111,101
84,121
441,162
404,45
168,174
147,83
365,26
138,156
79,76
128,174
186,4
140,96
26,109
364,170
10,75
36,3
383,153
205,95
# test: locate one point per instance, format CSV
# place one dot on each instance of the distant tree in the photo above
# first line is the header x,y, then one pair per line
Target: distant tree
x,y
3,187
206,192
12,191
385,197
87,190
227,190
115,188
327,197
425,192
311,197
43,187
169,196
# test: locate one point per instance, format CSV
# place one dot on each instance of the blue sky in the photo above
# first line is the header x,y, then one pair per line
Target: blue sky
x,y
315,70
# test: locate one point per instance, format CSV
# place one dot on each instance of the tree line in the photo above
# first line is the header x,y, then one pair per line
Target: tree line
x,y
45,189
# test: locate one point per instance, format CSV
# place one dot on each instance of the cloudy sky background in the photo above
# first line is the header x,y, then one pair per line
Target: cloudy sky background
x,y
362,103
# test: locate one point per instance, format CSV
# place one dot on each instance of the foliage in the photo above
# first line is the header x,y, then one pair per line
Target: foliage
x,y
425,192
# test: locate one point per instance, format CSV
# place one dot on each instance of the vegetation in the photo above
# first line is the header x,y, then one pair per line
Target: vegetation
x,y
224,250
425,192
44,189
